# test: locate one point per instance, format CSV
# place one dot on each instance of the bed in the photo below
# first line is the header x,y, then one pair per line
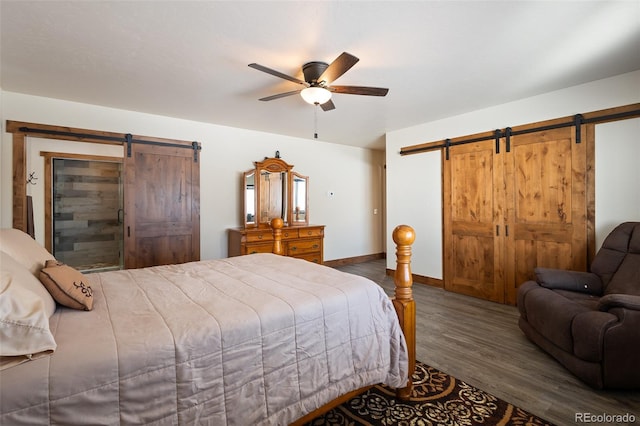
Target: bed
x,y
257,339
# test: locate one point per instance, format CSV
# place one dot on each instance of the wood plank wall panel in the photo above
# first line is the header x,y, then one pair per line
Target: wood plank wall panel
x,y
87,197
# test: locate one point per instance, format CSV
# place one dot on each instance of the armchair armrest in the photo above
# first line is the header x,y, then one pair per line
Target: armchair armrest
x,y
627,301
560,279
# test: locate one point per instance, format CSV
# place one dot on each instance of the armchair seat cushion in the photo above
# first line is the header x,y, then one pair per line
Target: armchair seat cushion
x,y
552,314
589,301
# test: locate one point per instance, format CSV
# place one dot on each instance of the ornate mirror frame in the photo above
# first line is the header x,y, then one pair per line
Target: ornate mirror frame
x,y
272,189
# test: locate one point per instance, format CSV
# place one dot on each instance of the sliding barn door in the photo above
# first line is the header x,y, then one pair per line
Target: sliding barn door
x,y
511,208
546,193
473,198
162,205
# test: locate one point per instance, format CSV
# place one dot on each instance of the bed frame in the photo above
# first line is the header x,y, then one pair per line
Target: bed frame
x,y
403,236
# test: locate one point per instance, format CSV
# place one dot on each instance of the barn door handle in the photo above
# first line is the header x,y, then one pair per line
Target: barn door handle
x,y
506,230
120,216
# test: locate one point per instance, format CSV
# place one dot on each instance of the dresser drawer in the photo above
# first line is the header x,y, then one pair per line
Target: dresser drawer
x,y
259,248
310,257
311,232
288,234
304,246
266,235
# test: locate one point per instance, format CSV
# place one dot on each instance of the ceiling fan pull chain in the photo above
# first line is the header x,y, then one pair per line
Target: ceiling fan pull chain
x,y
315,121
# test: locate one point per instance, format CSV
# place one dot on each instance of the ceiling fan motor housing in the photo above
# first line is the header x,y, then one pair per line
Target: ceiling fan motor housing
x,y
312,71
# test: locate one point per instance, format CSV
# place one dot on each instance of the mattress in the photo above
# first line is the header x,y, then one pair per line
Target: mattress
x,y
258,339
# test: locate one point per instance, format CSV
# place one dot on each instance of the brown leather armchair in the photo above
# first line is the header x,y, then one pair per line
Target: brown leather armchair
x,y
590,321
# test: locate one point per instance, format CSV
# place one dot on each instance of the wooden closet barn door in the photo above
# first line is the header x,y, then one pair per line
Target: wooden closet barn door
x,y
473,196
162,205
509,211
546,199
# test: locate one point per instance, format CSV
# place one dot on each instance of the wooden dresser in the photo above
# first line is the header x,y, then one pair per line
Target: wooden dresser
x,y
301,241
274,193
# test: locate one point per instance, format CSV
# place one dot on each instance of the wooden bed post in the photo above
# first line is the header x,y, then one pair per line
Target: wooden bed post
x,y
277,224
404,236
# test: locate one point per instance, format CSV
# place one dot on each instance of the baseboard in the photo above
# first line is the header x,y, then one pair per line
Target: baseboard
x,y
434,282
353,260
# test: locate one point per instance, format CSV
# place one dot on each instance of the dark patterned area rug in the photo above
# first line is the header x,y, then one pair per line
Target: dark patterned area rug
x,y
437,399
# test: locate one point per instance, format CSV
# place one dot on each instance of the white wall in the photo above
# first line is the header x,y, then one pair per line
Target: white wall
x,y
617,175
414,182
353,174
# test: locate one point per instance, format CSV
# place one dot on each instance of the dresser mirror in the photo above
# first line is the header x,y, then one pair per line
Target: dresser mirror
x,y
249,186
272,189
299,198
272,195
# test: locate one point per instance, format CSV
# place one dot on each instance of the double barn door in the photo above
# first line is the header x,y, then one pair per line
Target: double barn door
x,y
512,205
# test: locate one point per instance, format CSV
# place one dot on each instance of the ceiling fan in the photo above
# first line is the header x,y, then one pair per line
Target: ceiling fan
x,y
318,77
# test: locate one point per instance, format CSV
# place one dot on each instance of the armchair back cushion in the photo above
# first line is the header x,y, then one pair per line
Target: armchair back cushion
x,y
619,244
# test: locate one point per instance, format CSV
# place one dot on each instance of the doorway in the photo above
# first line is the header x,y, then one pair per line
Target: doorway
x,y
87,213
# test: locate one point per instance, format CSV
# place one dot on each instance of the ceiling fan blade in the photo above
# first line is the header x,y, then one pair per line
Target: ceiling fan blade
x,y
280,95
359,90
339,66
276,73
328,106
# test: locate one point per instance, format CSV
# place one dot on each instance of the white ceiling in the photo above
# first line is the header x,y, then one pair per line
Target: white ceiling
x,y
189,59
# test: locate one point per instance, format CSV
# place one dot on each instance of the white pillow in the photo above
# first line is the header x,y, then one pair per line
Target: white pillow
x,y
24,249
24,315
22,277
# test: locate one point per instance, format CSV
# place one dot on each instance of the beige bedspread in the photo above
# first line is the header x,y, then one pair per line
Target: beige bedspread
x,y
259,339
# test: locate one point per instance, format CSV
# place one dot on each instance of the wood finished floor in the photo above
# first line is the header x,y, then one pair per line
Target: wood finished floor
x,y
479,342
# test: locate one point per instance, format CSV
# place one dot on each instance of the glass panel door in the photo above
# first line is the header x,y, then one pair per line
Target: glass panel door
x,y
87,209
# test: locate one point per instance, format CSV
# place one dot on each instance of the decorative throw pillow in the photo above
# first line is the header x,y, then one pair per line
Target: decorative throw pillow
x,y
24,315
67,285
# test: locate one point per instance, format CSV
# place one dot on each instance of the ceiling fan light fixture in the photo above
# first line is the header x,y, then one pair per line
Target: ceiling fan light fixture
x,y
315,95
